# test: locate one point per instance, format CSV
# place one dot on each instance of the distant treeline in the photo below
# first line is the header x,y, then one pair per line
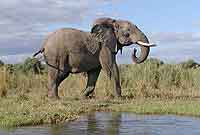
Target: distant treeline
x,y
33,65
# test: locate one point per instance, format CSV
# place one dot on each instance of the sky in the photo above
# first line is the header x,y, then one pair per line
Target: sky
x,y
174,25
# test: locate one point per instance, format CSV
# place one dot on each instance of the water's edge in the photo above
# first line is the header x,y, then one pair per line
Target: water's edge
x,y
117,123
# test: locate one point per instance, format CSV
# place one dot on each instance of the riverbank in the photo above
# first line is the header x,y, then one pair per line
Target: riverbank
x,y
15,112
149,88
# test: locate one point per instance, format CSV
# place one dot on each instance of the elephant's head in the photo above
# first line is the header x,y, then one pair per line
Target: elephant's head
x,y
127,34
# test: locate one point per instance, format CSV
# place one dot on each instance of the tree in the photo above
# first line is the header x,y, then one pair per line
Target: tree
x,y
1,63
31,65
190,64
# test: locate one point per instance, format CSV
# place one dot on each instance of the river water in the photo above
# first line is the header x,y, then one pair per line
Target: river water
x,y
107,123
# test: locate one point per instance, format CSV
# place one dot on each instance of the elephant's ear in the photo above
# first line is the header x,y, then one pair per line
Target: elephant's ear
x,y
92,44
115,25
103,20
96,28
102,28
109,21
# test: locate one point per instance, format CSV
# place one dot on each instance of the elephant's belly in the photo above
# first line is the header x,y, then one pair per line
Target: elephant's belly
x,y
82,62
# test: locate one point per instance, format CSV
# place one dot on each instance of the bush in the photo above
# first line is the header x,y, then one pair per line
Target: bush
x,y
189,64
32,65
1,63
3,82
154,61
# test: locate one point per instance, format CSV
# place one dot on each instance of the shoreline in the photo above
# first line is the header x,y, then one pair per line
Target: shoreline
x,y
72,110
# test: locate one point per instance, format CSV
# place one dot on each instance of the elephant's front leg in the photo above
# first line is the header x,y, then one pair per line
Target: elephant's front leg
x,y
108,63
115,77
91,82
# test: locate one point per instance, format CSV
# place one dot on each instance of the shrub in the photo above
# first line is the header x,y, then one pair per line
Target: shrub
x,y
189,64
1,63
154,61
32,65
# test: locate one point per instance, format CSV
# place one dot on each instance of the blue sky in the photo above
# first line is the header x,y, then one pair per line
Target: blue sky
x,y
173,24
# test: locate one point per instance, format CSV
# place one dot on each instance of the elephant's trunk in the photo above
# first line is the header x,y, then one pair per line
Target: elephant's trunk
x,y
145,49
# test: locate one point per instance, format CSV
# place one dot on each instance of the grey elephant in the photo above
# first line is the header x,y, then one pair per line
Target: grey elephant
x,y
74,51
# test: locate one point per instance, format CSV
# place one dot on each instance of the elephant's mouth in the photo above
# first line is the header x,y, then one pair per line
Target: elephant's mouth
x,y
125,42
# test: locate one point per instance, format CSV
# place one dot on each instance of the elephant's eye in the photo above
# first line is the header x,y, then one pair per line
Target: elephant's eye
x,y
126,34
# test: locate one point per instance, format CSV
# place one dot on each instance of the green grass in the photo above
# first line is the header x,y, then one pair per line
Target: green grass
x,y
148,88
31,112
152,106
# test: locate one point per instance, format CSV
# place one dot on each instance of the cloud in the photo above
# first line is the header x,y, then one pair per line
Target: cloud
x,y
176,37
196,24
28,17
13,59
176,46
25,22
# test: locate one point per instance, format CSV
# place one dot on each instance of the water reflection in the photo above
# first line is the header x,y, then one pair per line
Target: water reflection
x,y
95,124
104,123
56,130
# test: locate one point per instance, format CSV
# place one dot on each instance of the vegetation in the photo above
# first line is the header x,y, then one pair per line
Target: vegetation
x,y
1,63
190,64
30,65
149,88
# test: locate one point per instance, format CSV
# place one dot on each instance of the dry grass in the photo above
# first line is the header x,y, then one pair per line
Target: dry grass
x,y
148,88
148,80
3,82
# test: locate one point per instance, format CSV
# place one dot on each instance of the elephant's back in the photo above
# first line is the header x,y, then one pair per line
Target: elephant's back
x,y
67,39
74,36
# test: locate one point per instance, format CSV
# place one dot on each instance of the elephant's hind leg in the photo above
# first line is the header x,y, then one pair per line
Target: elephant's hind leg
x,y
55,77
91,82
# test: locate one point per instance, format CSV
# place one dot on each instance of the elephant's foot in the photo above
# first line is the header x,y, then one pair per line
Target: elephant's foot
x,y
86,97
83,97
52,95
87,93
119,97
118,92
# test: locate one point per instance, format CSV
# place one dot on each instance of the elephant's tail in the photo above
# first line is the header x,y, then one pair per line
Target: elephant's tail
x,y
40,51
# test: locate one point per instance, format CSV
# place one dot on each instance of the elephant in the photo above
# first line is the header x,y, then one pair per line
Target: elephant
x,y
70,51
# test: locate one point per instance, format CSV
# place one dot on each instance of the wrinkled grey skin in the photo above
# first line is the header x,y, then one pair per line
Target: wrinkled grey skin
x,y
127,34
73,51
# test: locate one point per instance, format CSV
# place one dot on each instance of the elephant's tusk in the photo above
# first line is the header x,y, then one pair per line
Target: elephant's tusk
x,y
146,44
